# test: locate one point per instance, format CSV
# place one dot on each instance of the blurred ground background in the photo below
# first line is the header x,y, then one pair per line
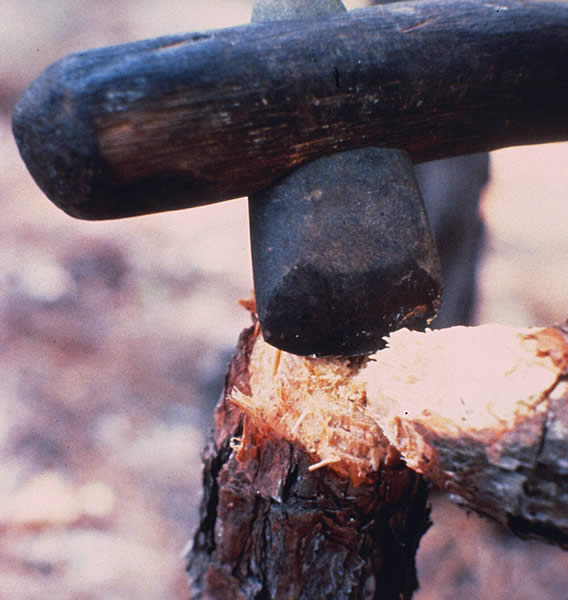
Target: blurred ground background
x,y
114,338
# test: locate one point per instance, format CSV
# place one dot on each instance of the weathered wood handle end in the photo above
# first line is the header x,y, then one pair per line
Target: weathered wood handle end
x,y
58,149
58,125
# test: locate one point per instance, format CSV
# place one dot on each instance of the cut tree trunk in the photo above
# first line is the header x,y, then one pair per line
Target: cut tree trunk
x,y
273,526
313,481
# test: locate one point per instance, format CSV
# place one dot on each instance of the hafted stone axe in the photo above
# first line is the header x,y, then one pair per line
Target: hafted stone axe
x,y
190,119
342,251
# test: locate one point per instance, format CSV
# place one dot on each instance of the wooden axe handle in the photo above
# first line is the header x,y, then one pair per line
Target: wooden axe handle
x,y
202,117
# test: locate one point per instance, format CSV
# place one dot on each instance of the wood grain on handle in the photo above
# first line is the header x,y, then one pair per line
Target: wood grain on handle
x,y
192,119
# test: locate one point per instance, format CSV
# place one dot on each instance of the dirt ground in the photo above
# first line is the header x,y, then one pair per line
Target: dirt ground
x,y
114,339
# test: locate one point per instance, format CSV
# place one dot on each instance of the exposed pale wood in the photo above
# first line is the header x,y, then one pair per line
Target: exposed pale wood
x,y
202,117
277,524
482,412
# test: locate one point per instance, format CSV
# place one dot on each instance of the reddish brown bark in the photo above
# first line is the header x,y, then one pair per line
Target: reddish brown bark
x,y
306,493
272,528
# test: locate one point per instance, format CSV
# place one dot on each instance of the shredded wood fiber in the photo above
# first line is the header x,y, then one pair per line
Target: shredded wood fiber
x,y
480,411
317,403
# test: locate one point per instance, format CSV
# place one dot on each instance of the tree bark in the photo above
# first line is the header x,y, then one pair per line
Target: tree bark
x,y
274,527
312,485
197,118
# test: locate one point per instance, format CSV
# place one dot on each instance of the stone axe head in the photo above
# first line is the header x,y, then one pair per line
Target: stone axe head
x,y
342,252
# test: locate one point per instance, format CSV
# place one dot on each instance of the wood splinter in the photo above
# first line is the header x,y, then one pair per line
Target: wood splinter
x,y
327,476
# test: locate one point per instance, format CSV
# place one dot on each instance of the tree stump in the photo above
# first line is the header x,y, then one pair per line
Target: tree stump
x,y
308,487
272,526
